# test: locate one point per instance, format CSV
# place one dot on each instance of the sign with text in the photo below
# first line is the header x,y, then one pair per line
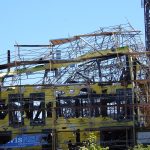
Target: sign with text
x,y
25,140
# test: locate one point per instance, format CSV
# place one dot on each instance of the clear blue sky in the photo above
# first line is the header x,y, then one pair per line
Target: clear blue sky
x,y
37,21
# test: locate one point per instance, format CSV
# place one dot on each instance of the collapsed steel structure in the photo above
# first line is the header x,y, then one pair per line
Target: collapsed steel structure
x,y
88,82
61,52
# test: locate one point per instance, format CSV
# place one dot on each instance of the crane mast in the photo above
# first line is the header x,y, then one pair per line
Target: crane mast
x,y
147,23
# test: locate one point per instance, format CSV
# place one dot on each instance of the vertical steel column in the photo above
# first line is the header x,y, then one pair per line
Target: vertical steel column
x,y
8,58
147,23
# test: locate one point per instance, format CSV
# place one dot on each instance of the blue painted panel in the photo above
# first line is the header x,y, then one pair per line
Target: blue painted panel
x,y
25,140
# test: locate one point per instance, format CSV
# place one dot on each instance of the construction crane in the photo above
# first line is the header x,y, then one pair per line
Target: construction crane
x,y
146,5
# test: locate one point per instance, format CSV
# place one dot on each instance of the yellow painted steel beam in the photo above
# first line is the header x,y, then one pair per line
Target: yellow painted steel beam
x,y
54,64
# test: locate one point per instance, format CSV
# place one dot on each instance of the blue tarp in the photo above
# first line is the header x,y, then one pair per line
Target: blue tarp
x,y
25,140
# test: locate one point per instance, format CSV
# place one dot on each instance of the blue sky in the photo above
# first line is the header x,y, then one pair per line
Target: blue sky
x,y
38,21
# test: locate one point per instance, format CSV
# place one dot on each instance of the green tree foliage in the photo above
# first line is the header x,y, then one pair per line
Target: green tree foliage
x,y
141,147
91,143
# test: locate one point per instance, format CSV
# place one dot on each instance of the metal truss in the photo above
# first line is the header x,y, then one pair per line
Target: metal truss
x,y
95,57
